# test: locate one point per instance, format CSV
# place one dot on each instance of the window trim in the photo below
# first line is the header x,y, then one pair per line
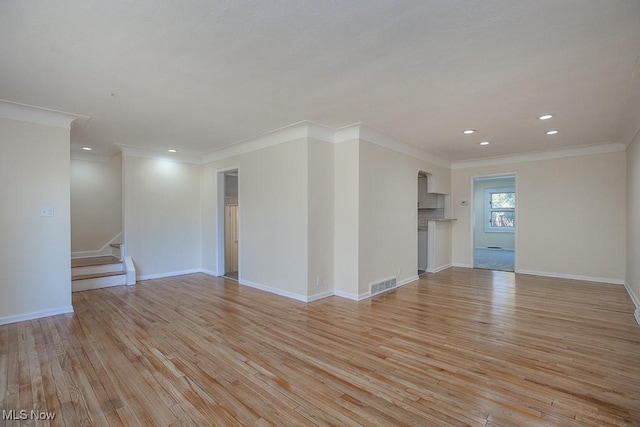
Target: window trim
x,y
488,209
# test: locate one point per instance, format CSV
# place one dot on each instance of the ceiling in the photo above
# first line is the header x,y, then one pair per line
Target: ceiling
x,y
199,76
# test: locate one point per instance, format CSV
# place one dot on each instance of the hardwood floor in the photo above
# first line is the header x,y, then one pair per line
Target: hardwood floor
x,y
461,347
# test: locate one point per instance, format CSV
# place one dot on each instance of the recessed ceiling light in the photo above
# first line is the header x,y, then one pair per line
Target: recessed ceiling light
x,y
87,148
485,143
552,132
468,131
545,116
172,150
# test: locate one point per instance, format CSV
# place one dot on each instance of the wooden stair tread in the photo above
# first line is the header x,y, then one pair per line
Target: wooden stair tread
x,y
115,245
87,262
97,275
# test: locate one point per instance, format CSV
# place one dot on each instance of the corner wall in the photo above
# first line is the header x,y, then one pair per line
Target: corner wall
x,y
35,266
162,216
633,223
96,203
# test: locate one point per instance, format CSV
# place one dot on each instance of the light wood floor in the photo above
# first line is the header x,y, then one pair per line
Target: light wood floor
x,y
462,347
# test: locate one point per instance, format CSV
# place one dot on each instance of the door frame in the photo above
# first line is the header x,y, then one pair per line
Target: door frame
x,y
220,194
472,215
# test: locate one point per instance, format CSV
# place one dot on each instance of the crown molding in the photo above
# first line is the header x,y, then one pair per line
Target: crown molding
x,y
89,156
384,140
41,116
544,155
278,136
132,151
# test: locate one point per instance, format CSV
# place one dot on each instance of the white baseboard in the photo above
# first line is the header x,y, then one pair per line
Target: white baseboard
x,y
573,277
439,269
460,264
316,297
169,274
407,281
632,295
364,295
103,251
346,295
209,272
637,315
35,315
292,295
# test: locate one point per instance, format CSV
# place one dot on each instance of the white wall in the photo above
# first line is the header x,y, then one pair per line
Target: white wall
x,y
571,215
96,203
482,238
35,266
346,218
273,212
162,215
388,236
320,199
633,220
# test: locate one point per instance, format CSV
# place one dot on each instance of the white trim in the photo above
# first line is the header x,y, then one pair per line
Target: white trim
x,y
382,139
321,295
606,280
584,150
407,281
208,272
636,314
364,295
439,269
157,154
38,115
259,286
347,295
632,295
103,251
460,264
88,156
169,274
35,315
130,270
282,135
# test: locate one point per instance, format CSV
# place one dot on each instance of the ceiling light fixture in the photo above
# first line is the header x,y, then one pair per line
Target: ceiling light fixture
x,y
552,132
172,150
485,143
545,116
87,148
468,131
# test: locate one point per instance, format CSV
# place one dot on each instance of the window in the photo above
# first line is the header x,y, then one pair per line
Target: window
x,y
500,210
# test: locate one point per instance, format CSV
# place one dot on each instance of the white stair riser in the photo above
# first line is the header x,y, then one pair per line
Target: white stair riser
x,y
95,269
98,282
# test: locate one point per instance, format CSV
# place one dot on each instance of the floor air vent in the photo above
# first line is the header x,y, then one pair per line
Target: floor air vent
x,y
382,286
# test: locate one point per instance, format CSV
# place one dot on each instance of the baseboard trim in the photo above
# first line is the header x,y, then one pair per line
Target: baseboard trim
x,y
347,295
103,251
632,295
321,295
462,265
169,274
35,315
260,286
439,269
636,314
407,281
573,277
209,272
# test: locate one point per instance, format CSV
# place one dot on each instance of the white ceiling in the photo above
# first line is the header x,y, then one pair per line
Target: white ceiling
x,y
198,76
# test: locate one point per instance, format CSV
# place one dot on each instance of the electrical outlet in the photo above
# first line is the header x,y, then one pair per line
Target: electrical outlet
x,y
318,281
46,211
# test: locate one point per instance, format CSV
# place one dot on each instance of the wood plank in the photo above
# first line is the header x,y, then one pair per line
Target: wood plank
x,y
461,347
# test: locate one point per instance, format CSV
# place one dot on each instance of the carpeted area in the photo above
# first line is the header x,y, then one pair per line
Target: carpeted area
x,y
492,259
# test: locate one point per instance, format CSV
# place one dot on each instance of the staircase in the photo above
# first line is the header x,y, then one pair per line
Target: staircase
x,y
97,272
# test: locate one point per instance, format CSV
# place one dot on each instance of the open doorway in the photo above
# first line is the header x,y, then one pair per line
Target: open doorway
x,y
494,222
228,227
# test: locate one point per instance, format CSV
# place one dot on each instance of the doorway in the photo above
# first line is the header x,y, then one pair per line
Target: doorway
x,y
494,222
229,225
